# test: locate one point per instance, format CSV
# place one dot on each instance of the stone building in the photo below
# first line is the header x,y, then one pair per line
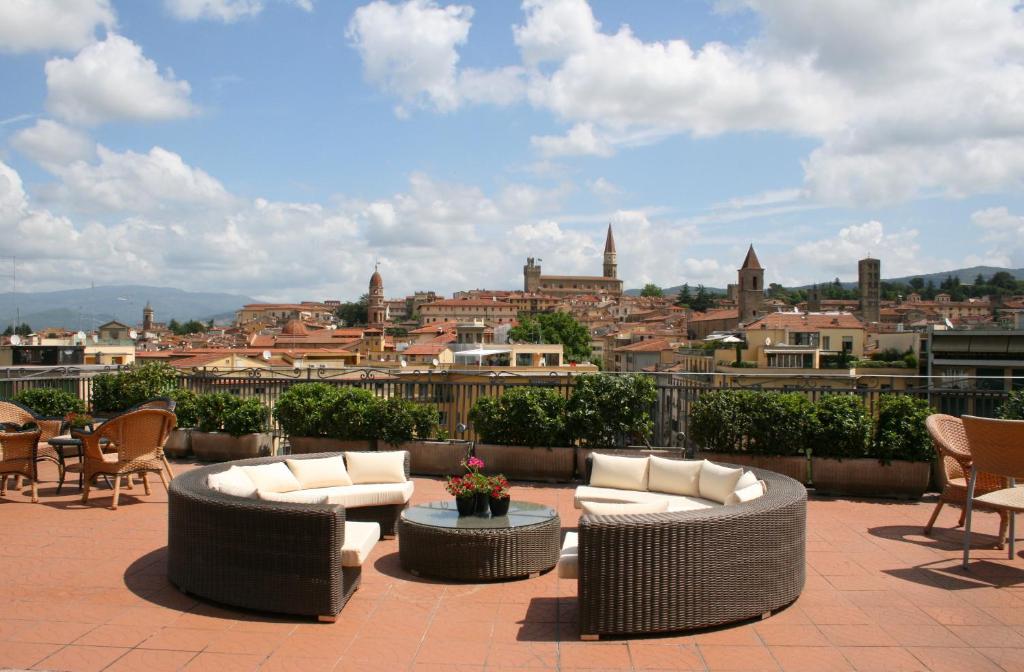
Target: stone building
x,y
535,282
377,313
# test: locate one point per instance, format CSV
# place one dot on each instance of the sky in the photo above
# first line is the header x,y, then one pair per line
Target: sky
x,y
282,148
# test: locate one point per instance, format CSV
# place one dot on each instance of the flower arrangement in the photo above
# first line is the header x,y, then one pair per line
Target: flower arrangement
x,y
78,420
500,488
478,486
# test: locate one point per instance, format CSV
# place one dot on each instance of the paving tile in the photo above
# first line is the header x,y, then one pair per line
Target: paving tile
x,y
287,663
240,641
524,654
940,659
989,636
784,634
224,662
726,658
453,651
24,654
810,659
857,635
1010,660
117,635
594,655
75,658
179,639
652,656
151,661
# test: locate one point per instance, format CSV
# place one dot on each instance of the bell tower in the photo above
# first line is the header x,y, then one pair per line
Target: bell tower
x,y
611,267
376,312
751,287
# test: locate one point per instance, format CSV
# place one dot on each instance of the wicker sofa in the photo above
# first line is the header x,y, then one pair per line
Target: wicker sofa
x,y
276,556
683,569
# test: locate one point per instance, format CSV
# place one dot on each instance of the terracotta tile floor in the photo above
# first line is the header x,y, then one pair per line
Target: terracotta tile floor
x,y
83,588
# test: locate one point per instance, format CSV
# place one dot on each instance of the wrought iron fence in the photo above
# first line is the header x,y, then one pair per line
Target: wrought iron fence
x,y
455,392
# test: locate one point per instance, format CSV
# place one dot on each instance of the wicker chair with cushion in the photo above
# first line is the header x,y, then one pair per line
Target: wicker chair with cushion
x,y
18,454
138,438
997,447
48,428
950,443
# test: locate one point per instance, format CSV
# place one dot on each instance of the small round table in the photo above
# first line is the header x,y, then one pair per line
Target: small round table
x,y
433,540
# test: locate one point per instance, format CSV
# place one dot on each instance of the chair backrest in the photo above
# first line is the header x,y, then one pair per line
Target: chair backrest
x,y
137,434
159,403
997,446
13,412
18,445
950,442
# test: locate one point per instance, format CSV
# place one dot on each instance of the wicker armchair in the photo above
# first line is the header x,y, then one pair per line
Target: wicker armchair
x,y
138,438
18,456
48,428
997,447
950,441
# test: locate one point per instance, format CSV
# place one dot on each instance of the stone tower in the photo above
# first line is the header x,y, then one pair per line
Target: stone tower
x,y
610,265
869,279
751,288
531,275
814,299
147,317
376,312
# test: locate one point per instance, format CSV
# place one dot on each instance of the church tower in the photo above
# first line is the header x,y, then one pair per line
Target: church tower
x,y
531,275
869,281
610,265
751,289
147,317
376,311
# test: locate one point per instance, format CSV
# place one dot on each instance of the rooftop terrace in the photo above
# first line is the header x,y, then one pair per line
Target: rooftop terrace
x,y
85,589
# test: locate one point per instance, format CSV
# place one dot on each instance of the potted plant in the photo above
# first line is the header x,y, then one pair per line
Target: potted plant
x,y
50,402
318,417
893,461
1013,408
114,393
230,428
768,430
612,414
431,452
179,444
500,495
472,490
522,433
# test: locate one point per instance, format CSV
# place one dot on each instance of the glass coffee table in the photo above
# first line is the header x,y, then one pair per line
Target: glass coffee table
x,y
433,540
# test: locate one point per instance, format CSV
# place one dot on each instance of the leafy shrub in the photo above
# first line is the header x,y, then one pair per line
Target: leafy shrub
x,y
392,420
350,414
769,423
608,410
901,433
843,427
426,421
305,409
186,408
220,411
718,420
211,409
1013,408
117,392
50,402
522,416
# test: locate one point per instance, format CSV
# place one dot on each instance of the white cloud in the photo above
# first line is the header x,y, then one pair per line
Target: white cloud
x,y
1006,230
225,11
837,256
51,143
579,141
44,25
112,80
13,201
603,188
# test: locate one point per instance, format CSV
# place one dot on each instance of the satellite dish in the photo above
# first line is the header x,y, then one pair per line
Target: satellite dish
x,y
403,363
767,340
80,335
435,361
133,334
266,355
15,340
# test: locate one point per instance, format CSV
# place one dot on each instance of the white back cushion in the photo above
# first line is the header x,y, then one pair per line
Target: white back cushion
x,y
677,477
273,477
387,467
321,473
607,509
748,494
625,473
294,497
748,478
718,482
232,481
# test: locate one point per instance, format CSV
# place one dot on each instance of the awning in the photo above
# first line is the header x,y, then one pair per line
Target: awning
x,y
481,352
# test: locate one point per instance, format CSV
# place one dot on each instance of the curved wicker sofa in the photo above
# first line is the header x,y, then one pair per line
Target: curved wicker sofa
x,y
255,554
663,572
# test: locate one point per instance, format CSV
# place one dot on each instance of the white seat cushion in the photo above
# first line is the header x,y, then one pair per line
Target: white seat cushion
x,y
366,467
568,558
325,472
748,494
718,482
677,477
294,497
681,503
273,477
624,473
378,494
587,493
360,539
608,509
747,479
232,481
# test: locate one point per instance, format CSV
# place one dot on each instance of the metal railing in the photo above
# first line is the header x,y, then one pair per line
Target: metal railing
x,y
455,392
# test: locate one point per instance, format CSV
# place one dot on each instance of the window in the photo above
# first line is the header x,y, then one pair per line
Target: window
x,y
847,343
826,342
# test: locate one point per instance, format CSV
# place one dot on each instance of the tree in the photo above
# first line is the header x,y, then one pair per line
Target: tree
x,y
184,329
917,284
174,326
357,312
554,328
21,330
684,298
702,301
651,289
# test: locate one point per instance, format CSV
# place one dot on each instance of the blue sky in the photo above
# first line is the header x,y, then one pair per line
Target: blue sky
x,y
280,148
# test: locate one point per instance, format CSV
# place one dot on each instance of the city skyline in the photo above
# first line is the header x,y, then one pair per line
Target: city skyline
x,y
280,148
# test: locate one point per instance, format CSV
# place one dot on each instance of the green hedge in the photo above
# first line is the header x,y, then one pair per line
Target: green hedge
x,y
117,392
844,427
50,402
224,412
606,411
1013,408
901,433
522,416
186,407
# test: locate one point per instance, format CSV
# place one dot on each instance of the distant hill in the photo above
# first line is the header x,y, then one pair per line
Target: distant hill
x,y
88,308
966,275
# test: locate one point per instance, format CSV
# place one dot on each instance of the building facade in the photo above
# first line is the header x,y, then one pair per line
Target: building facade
x,y
535,282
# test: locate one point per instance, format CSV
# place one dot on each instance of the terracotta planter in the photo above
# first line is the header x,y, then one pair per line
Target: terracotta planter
x,y
436,458
179,443
794,466
583,453
303,445
220,447
555,464
870,478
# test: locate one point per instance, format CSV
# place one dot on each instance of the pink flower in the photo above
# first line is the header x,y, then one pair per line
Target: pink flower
x,y
476,463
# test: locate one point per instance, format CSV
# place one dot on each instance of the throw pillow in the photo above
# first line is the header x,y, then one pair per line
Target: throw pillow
x,y
718,482
623,473
677,477
748,478
387,467
609,509
747,494
232,481
325,472
273,477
